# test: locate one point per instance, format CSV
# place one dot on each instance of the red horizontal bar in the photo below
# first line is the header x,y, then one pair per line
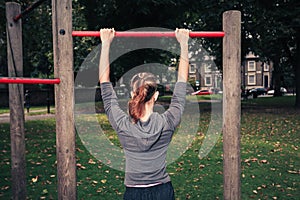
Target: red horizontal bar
x,y
212,34
15,80
29,9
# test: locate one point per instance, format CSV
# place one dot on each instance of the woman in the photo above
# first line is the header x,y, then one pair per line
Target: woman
x,y
144,134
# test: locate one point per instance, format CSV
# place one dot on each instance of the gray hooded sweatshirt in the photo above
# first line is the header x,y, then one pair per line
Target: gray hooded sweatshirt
x,y
145,144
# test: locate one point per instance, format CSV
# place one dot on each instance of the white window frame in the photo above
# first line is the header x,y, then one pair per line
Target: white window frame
x,y
266,67
205,80
250,66
254,79
207,67
193,68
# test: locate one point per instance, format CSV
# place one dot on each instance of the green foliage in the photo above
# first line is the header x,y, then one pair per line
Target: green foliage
x,y
269,29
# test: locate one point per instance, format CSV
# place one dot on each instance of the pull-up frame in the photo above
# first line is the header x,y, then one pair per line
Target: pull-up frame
x,y
64,96
231,100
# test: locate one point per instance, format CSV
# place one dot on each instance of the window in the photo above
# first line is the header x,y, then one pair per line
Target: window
x,y
251,66
266,67
207,67
251,79
192,68
207,80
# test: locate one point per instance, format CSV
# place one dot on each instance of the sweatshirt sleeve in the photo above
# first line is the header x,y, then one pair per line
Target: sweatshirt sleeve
x,y
174,112
111,106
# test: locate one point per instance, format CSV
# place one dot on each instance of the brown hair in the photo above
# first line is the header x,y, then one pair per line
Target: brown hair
x,y
143,86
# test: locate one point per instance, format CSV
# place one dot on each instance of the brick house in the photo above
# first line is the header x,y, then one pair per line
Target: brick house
x,y
205,74
255,73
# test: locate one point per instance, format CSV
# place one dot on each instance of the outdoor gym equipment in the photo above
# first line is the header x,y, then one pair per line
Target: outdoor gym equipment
x,y
64,96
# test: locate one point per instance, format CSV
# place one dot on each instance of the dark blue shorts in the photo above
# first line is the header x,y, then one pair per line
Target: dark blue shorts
x,y
163,191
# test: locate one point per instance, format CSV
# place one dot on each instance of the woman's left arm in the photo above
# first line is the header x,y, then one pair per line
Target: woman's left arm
x,y
107,36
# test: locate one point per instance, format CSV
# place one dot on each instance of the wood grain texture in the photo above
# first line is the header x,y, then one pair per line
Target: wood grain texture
x,y
231,104
16,100
64,98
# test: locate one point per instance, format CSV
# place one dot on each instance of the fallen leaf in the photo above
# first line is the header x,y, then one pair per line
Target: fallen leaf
x,y
201,166
35,179
293,172
91,162
80,166
79,150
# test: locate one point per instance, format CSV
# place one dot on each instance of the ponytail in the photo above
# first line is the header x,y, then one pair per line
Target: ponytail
x,y
143,88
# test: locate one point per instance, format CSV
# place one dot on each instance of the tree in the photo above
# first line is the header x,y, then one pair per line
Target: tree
x,y
275,37
269,28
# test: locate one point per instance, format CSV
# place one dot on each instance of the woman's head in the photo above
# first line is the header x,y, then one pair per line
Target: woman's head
x,y
143,90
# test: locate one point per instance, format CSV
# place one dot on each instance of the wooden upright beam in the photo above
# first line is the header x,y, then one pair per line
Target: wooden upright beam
x,y
231,104
64,98
16,100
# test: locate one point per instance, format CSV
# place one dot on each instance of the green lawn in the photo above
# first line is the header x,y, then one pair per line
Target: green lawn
x,y
269,148
4,110
36,110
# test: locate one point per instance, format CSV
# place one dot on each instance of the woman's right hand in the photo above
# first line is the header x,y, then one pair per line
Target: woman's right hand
x,y
182,35
107,35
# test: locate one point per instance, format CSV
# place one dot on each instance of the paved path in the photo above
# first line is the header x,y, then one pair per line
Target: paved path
x,y
4,118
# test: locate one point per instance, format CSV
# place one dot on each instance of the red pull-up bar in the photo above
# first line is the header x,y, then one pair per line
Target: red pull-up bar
x,y
29,9
15,80
210,34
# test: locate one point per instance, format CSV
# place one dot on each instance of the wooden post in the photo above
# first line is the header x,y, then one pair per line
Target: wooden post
x,y
64,98
231,104
16,100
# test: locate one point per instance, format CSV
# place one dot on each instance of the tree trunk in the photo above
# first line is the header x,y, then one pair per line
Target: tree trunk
x,y
297,70
276,77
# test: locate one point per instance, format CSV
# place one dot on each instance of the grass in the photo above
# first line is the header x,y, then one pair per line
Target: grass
x,y
270,162
194,97
36,110
272,102
39,112
4,110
